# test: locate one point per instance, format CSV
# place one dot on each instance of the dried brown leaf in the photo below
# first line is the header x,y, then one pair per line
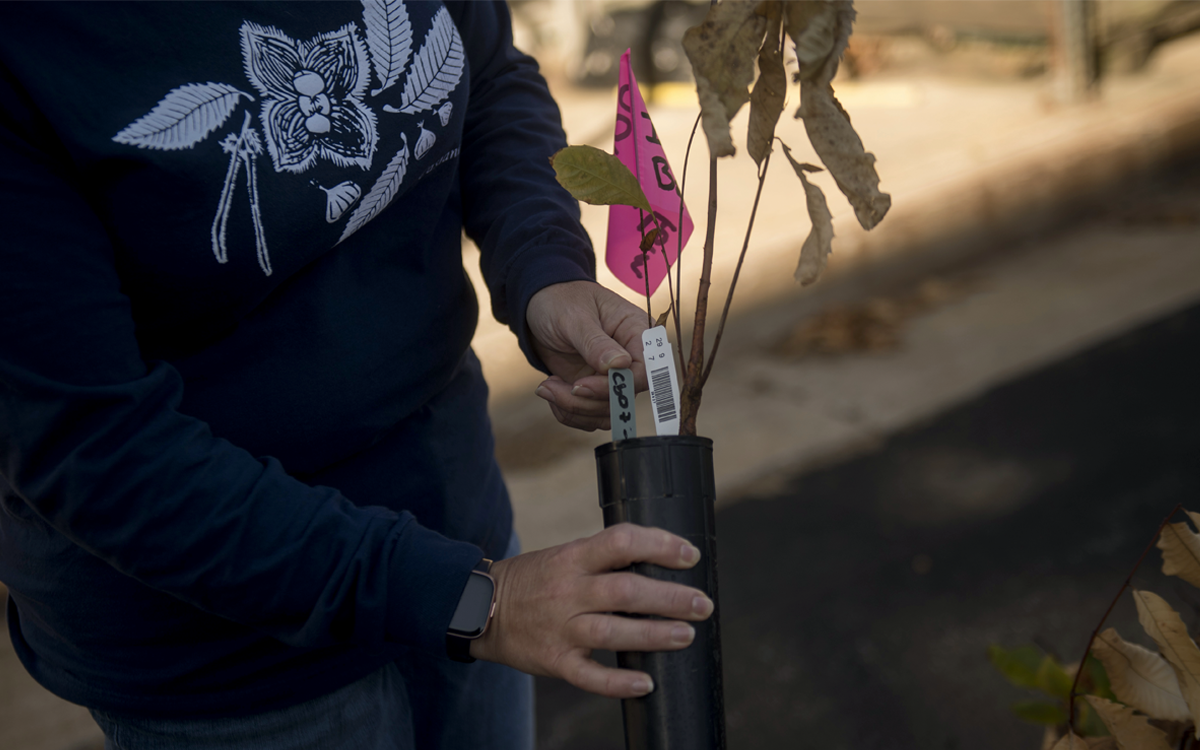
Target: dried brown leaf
x,y
1101,743
1181,550
1163,624
816,29
842,152
819,243
662,319
1070,741
722,51
766,100
1140,677
1131,731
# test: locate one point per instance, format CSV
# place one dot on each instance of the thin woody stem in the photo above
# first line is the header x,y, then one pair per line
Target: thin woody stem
x,y
692,378
679,246
762,178
1128,580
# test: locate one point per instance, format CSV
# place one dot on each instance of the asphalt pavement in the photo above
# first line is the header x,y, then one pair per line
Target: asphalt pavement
x,y
859,598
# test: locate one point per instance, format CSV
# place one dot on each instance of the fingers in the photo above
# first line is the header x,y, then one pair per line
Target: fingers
x,y
624,544
586,674
616,633
637,594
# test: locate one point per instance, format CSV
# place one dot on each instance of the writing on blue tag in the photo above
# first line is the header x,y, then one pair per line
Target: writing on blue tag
x,y
620,404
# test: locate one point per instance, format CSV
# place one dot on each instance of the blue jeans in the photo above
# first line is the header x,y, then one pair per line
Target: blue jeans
x,y
418,702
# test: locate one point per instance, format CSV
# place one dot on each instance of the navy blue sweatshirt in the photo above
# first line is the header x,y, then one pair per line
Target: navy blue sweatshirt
x,y
244,458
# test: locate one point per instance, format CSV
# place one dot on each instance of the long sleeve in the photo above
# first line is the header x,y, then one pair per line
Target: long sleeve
x,y
93,442
526,225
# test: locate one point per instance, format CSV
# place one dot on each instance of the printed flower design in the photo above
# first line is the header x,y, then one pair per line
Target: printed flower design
x,y
312,93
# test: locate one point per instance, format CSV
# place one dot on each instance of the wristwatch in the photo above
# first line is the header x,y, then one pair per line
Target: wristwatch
x,y
475,609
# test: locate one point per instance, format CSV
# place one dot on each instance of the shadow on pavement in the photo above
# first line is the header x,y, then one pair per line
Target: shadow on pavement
x,y
858,603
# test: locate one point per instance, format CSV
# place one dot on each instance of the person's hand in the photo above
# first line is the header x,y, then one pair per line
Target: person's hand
x,y
579,329
554,606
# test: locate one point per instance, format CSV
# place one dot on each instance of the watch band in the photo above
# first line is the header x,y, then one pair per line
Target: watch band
x,y
458,645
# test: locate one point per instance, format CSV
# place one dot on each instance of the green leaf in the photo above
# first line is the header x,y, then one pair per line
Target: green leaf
x,y
1036,712
597,177
1096,678
1020,665
1090,724
1052,679
766,101
722,51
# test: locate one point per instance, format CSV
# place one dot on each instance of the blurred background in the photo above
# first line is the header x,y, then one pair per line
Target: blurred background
x,y
965,433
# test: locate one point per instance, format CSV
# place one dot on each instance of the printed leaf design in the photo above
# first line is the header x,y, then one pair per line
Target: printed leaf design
x,y
339,198
1132,732
1181,550
436,69
722,51
766,100
389,38
1163,624
597,177
1140,677
382,192
819,243
184,117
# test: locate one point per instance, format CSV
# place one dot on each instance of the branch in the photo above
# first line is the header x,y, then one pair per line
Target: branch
x,y
1107,612
762,178
692,384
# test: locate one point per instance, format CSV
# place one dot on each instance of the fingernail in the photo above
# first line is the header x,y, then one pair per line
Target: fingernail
x,y
682,635
689,553
702,606
643,686
545,393
583,392
609,358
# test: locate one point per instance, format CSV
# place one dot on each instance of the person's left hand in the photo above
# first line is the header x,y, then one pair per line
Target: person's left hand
x,y
579,329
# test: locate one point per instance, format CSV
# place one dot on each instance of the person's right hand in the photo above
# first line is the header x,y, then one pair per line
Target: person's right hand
x,y
554,606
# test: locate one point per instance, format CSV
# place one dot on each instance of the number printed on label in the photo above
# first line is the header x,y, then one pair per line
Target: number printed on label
x,y
664,385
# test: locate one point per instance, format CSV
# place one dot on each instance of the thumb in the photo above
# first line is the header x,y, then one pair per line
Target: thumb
x,y
597,348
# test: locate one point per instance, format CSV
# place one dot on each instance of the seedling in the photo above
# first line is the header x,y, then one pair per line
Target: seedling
x,y
738,39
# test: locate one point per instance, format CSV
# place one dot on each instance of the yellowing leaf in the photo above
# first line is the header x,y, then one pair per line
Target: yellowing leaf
x,y
1020,665
596,177
1164,625
766,101
1181,550
819,243
1140,677
722,52
1036,712
1052,679
1132,732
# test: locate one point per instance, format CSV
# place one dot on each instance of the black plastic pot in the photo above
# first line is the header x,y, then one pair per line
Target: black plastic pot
x,y
667,482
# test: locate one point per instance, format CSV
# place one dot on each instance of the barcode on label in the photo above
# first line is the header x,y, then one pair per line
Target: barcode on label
x,y
660,385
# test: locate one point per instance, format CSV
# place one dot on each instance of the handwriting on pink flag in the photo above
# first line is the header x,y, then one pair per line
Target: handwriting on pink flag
x,y
636,144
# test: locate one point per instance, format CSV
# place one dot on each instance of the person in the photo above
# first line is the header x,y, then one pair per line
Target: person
x,y
245,464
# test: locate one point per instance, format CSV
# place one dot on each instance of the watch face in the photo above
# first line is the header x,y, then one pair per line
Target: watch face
x,y
471,617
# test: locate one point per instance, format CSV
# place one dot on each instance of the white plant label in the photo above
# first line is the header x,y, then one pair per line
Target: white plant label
x,y
664,384
620,404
